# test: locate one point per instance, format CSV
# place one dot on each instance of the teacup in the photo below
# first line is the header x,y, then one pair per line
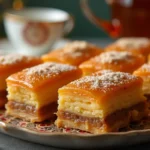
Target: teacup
x,y
33,31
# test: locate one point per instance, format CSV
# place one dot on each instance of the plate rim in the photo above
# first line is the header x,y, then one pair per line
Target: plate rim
x,y
4,126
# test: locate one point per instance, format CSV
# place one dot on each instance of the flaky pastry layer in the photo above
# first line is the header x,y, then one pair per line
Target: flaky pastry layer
x,y
89,104
111,123
40,97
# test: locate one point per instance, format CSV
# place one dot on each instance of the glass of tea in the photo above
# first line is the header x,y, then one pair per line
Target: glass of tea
x,y
128,18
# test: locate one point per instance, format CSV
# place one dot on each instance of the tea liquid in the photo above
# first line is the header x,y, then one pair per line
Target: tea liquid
x,y
133,17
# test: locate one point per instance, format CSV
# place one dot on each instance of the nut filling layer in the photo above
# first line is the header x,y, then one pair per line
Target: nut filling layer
x,y
140,110
21,107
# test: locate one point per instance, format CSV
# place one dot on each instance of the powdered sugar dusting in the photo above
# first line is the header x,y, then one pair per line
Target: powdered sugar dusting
x,y
76,45
132,43
77,48
114,57
105,81
12,59
49,69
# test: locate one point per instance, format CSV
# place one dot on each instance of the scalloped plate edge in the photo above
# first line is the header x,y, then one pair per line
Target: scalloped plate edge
x,y
76,141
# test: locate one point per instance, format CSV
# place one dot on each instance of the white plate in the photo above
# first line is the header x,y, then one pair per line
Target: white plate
x,y
48,134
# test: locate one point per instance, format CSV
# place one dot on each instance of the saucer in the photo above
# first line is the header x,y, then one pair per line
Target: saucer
x,y
7,48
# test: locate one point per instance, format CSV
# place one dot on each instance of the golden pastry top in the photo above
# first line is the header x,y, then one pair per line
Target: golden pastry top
x,y
115,57
12,62
144,70
136,45
42,74
123,61
12,59
73,53
109,82
133,42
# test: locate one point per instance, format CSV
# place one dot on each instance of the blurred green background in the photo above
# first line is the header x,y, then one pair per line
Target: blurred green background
x,y
83,27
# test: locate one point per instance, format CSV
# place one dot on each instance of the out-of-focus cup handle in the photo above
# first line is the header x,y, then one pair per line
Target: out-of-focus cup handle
x,y
69,25
111,27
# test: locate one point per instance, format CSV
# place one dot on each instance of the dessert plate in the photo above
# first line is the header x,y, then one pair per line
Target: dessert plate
x,y
48,134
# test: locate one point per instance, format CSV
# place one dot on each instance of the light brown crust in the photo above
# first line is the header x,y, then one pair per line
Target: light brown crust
x,y
42,75
111,123
125,64
109,83
73,53
143,49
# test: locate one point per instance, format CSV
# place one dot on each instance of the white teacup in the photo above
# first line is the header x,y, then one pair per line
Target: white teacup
x,y
33,31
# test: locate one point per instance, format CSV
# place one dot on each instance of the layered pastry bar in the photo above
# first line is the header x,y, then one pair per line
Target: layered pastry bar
x,y
134,44
32,93
144,73
113,60
99,104
10,64
74,53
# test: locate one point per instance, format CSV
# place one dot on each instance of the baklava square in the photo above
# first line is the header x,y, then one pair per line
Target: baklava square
x,y
10,64
99,104
32,93
113,60
132,44
74,53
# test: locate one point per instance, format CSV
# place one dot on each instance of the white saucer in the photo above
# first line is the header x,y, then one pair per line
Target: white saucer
x,y
7,48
